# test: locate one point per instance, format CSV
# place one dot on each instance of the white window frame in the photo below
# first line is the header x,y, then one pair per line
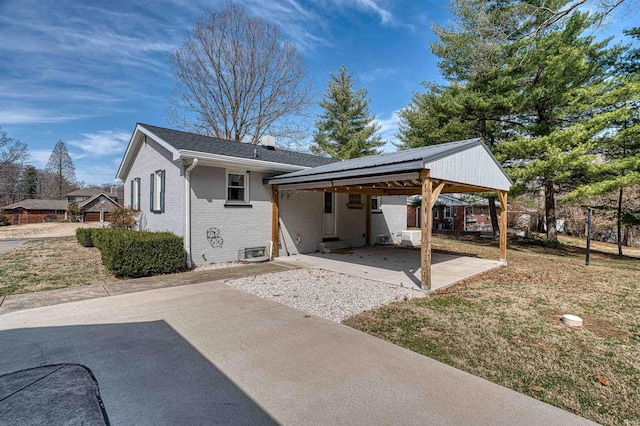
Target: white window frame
x,y
135,193
436,209
157,194
447,212
245,187
378,208
157,182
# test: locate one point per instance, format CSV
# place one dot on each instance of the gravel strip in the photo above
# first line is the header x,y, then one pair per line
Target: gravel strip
x,y
323,293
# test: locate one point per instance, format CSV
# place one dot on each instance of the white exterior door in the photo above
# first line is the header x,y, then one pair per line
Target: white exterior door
x,y
329,215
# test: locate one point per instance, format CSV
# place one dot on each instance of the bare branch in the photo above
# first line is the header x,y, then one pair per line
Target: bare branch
x,y
236,78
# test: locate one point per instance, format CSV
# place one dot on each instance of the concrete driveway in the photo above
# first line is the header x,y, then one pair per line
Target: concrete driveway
x,y
7,246
210,354
395,265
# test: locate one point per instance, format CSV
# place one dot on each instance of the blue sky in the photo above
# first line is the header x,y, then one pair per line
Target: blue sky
x,y
87,71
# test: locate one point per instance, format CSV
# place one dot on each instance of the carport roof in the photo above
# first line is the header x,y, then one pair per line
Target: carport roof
x,y
467,162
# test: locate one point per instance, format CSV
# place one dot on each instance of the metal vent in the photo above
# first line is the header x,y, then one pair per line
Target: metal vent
x,y
384,240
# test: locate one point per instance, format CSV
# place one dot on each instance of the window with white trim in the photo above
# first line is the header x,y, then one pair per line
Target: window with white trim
x,y
156,191
237,187
435,211
135,193
447,211
376,203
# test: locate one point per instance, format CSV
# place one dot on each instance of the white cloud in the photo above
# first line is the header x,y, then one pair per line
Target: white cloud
x,y
377,74
96,175
375,6
389,130
39,157
385,15
33,115
100,144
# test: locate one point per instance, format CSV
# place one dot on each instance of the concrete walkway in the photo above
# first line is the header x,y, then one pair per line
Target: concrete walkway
x,y
209,354
17,302
397,266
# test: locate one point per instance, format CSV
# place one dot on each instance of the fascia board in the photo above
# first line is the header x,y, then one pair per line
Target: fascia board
x,y
237,161
135,140
369,171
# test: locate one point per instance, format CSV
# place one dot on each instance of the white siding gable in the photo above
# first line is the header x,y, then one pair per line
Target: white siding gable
x,y
473,166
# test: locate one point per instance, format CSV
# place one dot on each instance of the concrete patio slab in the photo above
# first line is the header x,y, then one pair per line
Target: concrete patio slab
x,y
394,265
210,354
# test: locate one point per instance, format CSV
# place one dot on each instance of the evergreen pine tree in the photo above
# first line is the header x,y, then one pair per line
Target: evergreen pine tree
x,y
346,129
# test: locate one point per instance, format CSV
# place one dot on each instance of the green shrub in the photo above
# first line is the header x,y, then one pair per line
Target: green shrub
x,y
134,254
73,212
84,236
98,234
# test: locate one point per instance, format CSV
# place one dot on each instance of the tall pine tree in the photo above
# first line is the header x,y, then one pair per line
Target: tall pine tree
x,y
346,129
527,79
619,168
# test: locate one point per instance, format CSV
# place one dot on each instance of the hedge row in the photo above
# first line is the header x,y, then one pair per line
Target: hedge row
x,y
133,254
84,236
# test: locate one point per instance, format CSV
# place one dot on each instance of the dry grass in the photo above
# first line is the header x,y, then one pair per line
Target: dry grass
x,y
41,230
505,326
49,264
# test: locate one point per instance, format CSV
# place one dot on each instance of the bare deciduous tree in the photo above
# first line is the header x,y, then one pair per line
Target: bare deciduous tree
x,y
236,78
13,153
11,150
60,172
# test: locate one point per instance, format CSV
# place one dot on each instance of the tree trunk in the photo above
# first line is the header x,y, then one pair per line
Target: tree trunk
x,y
493,214
619,220
550,209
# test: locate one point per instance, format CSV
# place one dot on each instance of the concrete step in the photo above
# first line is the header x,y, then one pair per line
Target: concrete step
x,y
332,246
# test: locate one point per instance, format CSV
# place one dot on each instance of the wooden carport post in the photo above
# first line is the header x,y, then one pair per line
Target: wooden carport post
x,y
429,197
275,217
502,196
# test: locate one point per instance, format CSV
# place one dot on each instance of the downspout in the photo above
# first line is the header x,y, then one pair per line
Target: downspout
x,y
187,211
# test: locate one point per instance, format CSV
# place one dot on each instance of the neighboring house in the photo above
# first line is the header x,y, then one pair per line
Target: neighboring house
x,y
455,212
215,193
35,211
95,205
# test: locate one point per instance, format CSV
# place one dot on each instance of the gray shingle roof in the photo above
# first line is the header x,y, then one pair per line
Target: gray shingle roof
x,y
85,192
210,145
39,205
426,154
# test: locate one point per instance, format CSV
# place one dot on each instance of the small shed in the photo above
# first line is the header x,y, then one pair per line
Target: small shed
x,y
456,167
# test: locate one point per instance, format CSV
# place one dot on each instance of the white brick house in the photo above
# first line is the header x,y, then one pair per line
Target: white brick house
x,y
215,193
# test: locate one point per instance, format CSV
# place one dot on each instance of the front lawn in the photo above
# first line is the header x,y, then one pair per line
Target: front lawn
x,y
49,264
505,326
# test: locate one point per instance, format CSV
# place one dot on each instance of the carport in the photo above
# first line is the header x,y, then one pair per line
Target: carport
x,y
458,167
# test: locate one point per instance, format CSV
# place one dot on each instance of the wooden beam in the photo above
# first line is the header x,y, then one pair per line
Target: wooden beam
x,y
427,224
502,196
436,193
275,216
367,205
